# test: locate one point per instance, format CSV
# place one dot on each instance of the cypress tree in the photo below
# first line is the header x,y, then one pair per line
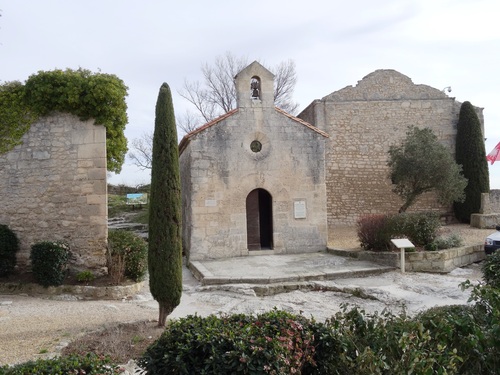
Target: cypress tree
x,y
471,154
165,244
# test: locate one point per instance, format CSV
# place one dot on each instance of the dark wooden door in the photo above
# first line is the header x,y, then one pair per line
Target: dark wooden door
x,y
259,220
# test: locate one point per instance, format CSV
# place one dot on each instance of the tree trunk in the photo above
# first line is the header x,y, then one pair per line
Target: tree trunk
x,y
164,313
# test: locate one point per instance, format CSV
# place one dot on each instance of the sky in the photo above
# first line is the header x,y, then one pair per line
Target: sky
x,y
333,43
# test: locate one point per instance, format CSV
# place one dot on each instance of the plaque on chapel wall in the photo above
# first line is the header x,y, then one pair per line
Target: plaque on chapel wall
x,y
299,209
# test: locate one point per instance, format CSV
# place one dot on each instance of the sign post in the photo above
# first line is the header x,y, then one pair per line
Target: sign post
x,y
402,244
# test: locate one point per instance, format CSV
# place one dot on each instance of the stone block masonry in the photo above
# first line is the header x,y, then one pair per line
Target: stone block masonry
x,y
363,123
53,187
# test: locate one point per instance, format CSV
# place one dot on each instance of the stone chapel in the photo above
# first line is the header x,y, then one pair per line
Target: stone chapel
x,y
253,180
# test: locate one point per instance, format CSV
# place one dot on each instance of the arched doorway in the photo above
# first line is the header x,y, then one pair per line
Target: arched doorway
x,y
259,206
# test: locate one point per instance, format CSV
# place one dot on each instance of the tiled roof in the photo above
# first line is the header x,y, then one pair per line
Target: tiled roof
x,y
185,140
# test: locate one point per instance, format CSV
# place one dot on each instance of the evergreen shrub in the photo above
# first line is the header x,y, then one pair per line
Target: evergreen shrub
x,y
90,364
9,246
127,255
491,270
275,342
49,262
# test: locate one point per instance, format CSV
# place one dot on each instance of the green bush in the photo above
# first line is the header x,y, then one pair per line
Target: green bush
x,y
49,262
487,315
275,342
89,365
9,246
457,327
127,255
420,228
85,276
491,269
441,243
354,342
376,231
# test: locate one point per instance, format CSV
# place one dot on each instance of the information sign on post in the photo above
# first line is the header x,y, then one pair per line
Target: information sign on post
x,y
402,244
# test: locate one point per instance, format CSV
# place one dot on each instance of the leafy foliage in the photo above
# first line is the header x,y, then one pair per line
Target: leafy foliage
x,y
9,246
421,164
15,115
471,155
80,92
89,364
165,241
491,269
376,231
49,262
441,243
85,276
275,342
127,249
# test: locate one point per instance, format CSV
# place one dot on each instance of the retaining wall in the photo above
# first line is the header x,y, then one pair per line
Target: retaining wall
x,y
441,261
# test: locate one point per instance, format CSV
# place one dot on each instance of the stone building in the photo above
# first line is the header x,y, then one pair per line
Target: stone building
x,y
253,180
53,187
363,122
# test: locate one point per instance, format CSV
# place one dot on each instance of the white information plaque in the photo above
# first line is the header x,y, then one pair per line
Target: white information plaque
x,y
299,209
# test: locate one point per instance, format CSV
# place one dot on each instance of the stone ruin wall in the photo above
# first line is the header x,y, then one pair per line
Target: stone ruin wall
x,y
53,187
363,122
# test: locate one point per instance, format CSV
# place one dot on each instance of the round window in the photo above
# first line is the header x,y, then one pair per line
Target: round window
x,y
256,146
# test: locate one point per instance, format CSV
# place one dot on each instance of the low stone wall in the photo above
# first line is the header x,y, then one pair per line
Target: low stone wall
x,y
441,261
84,292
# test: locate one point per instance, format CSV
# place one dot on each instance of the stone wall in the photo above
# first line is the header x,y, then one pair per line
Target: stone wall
x,y
495,201
442,261
53,187
363,122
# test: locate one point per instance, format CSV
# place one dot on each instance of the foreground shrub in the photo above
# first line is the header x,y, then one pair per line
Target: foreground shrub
x,y
491,269
127,255
275,342
457,328
487,315
49,262
9,246
89,365
354,342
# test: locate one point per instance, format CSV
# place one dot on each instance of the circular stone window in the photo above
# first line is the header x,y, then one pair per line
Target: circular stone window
x,y
255,146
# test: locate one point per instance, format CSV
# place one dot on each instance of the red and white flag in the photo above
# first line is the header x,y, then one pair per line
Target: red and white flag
x,y
494,155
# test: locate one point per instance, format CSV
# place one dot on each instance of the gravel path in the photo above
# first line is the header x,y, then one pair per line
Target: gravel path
x,y
36,327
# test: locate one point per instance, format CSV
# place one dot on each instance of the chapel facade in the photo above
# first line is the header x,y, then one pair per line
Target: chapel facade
x,y
253,180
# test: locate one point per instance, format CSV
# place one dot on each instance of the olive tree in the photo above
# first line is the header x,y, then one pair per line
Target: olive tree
x,y
421,164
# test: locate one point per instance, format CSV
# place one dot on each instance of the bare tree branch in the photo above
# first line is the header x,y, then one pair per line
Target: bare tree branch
x,y
217,94
142,151
188,122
